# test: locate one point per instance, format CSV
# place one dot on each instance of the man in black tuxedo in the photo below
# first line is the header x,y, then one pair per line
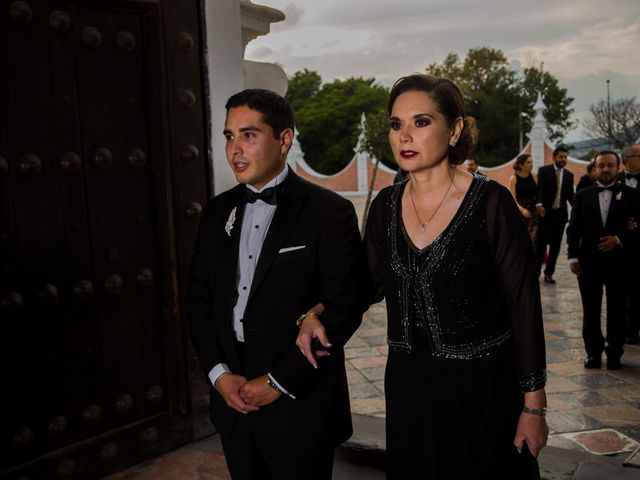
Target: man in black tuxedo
x,y
631,178
599,236
270,251
555,192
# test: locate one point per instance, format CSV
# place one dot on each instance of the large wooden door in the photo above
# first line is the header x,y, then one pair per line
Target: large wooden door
x,y
99,196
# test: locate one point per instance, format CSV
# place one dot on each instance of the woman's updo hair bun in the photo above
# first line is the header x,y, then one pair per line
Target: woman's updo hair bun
x,y
517,165
466,142
450,101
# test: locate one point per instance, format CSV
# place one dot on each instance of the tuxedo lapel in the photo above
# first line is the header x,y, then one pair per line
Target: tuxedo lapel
x,y
595,208
613,206
290,202
230,251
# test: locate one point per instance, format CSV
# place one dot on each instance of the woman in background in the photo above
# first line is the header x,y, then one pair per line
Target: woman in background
x,y
588,178
523,185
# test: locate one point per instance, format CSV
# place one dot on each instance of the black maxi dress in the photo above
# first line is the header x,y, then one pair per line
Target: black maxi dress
x,y
465,337
526,195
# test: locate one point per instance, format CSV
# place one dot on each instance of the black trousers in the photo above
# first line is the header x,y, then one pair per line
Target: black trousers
x,y
592,281
255,457
633,305
261,448
550,231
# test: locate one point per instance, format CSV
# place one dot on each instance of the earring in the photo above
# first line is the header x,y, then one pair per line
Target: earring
x,y
452,144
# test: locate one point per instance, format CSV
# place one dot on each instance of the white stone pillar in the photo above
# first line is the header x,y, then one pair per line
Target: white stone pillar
x,y
539,134
362,158
225,77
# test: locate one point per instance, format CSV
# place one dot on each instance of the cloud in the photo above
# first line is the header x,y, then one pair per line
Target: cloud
x,y
293,17
578,41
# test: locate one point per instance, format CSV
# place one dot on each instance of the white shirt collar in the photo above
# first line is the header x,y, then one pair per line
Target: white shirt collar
x,y
274,181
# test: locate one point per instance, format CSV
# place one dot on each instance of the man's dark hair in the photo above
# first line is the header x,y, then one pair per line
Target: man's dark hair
x,y
276,111
607,152
559,149
473,158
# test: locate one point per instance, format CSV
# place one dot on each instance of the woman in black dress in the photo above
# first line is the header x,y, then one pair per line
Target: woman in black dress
x,y
449,251
523,185
588,178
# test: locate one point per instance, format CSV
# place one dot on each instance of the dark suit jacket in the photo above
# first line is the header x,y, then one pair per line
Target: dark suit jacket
x,y
285,285
621,178
547,188
584,182
585,226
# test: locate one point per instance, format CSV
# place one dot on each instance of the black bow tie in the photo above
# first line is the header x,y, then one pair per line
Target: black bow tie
x,y
268,195
602,189
629,175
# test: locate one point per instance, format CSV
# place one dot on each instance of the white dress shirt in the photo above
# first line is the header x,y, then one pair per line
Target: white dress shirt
x,y
256,221
630,182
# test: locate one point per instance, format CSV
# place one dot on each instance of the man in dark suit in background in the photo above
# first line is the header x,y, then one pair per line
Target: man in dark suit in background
x,y
599,236
269,252
555,192
631,178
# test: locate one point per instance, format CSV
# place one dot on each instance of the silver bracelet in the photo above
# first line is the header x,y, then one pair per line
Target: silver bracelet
x,y
540,412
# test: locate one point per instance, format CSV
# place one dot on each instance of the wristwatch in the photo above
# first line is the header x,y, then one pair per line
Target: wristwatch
x,y
273,385
540,412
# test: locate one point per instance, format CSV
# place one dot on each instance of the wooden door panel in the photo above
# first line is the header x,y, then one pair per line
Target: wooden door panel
x,y
89,232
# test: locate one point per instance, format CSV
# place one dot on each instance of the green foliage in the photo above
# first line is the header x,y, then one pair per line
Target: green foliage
x,y
328,116
303,85
495,95
376,137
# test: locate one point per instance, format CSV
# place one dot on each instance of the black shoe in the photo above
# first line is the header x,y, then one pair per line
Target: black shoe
x,y
614,364
633,340
548,279
592,362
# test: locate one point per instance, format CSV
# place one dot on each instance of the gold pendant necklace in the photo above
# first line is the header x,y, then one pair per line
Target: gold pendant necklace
x,y
423,226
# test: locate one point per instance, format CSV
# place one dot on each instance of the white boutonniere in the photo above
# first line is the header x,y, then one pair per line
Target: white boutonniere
x,y
619,195
230,221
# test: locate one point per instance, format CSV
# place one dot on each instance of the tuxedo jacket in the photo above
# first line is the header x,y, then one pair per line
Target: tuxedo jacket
x,y
325,267
585,226
547,188
621,178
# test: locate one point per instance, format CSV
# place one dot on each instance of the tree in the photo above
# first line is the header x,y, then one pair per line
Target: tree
x,y
558,113
617,121
327,117
376,144
303,85
495,96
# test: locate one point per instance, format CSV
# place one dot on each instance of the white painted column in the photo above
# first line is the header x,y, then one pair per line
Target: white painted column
x,y
224,53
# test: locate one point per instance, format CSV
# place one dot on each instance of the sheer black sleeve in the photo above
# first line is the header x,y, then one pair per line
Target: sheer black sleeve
x,y
514,259
374,246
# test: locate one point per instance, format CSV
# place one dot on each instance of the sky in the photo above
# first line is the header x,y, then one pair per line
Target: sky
x,y
581,42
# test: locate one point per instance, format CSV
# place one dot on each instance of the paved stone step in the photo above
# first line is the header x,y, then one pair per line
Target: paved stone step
x,y
367,447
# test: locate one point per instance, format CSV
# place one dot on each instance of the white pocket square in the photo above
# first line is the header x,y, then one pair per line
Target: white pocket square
x,y
291,249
